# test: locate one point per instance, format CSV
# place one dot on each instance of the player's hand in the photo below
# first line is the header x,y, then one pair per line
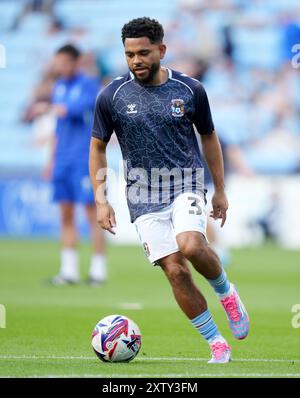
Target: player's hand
x,y
106,217
220,205
40,108
59,110
48,171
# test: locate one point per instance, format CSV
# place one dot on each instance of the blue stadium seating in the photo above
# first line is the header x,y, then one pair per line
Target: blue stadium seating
x,y
28,49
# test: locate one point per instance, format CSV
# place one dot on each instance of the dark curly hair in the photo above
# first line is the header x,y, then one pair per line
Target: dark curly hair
x,y
143,27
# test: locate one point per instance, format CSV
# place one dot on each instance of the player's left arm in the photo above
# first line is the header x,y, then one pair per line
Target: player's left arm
x,y
212,152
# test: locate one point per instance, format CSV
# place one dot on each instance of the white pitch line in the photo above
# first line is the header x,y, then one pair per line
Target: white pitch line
x,y
167,375
46,357
206,359
141,359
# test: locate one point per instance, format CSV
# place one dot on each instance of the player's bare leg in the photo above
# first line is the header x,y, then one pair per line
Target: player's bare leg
x,y
69,268
98,267
69,236
193,304
194,247
187,295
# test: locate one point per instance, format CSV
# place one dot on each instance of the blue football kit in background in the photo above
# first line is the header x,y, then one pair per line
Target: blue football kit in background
x,y
70,179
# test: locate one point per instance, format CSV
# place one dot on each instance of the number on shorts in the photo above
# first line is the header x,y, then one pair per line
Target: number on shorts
x,y
195,204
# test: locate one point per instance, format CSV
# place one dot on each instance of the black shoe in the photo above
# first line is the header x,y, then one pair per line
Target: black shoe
x,y
59,280
95,282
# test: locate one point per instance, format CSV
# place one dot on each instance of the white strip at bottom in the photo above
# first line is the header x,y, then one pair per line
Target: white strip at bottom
x,y
161,375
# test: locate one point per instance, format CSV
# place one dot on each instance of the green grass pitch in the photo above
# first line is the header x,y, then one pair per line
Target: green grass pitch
x,y
48,329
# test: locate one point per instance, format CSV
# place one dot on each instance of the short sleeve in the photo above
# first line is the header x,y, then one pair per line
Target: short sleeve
x,y
103,123
202,118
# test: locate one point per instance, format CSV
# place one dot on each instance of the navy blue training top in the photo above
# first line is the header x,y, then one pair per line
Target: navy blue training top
x,y
155,129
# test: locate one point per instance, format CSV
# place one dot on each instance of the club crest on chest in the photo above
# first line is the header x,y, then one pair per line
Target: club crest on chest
x,y
177,107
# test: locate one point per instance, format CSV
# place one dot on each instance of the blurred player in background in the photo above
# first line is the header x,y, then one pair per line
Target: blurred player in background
x,y
73,100
153,110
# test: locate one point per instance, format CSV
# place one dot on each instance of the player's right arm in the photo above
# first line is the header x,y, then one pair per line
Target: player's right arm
x,y
101,132
98,170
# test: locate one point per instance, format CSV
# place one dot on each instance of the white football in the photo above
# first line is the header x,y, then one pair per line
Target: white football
x,y
116,338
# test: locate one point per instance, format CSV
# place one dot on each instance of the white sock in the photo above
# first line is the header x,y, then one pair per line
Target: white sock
x,y
69,267
218,338
98,269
